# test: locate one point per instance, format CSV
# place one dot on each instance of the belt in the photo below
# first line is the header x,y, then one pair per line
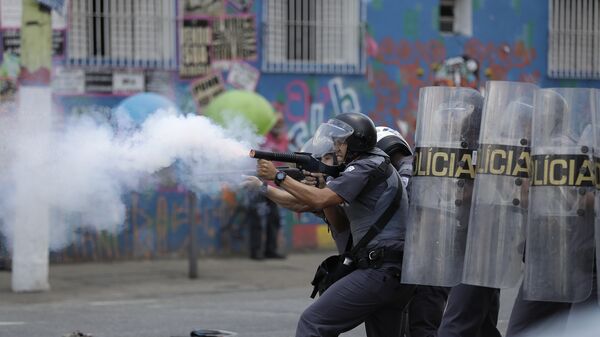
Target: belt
x,y
374,258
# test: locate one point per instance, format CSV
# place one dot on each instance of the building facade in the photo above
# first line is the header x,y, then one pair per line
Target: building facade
x,y
311,59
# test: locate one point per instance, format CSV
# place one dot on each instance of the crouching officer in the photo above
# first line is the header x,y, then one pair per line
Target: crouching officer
x,y
369,185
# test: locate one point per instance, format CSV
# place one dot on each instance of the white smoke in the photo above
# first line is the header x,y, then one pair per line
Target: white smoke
x,y
81,167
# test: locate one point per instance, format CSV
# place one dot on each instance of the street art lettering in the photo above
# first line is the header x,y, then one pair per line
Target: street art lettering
x,y
300,132
297,104
306,109
343,99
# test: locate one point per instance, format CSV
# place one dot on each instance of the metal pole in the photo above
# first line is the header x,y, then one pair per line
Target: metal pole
x,y
193,238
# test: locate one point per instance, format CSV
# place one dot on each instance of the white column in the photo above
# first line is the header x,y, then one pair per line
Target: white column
x,y
30,256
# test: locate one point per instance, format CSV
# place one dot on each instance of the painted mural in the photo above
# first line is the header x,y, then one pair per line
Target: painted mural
x,y
405,53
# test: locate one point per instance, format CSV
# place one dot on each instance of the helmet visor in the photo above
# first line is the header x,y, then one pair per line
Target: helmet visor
x,y
320,148
331,132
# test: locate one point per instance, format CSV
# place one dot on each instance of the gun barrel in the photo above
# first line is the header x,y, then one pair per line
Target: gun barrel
x,y
286,157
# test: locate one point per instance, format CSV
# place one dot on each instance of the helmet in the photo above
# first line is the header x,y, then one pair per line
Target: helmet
x,y
390,141
364,135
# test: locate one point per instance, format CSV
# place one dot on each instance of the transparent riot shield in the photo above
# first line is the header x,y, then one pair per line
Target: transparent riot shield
x,y
446,136
596,159
494,251
559,253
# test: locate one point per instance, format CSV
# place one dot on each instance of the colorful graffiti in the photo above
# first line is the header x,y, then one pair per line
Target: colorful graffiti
x,y
401,60
400,69
158,224
305,108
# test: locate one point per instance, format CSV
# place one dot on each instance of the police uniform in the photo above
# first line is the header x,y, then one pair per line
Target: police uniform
x,y
472,311
526,315
373,295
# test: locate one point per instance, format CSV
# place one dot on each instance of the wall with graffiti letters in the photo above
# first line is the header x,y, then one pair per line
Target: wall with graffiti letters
x,y
405,52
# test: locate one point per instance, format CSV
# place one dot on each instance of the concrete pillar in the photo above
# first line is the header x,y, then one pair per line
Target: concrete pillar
x,y
32,215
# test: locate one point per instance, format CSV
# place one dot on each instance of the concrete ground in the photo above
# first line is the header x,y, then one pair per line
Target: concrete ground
x,y
156,298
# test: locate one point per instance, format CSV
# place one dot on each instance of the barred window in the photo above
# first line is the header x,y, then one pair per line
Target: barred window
x,y
574,39
122,33
455,17
314,36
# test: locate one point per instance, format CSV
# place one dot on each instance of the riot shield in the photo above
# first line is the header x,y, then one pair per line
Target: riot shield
x,y
596,135
559,252
446,136
494,252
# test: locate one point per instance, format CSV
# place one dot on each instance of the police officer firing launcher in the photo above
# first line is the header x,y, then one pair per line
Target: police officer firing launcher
x,y
369,190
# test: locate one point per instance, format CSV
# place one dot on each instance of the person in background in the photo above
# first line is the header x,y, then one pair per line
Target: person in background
x,y
263,214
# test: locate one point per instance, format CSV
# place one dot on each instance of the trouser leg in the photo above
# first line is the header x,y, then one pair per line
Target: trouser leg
x,y
471,311
426,309
272,227
371,295
255,228
526,315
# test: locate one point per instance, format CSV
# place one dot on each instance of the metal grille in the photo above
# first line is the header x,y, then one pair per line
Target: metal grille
x,y
314,36
446,16
122,34
574,39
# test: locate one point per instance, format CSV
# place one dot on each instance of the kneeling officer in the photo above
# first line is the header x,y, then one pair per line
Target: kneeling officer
x,y
366,189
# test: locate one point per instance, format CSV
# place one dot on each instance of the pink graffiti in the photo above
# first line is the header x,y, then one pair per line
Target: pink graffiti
x,y
298,94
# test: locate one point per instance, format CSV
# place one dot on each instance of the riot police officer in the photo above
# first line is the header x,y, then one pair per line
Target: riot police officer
x,y
369,185
325,152
494,247
559,270
427,306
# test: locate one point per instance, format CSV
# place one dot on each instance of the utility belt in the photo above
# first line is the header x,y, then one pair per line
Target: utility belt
x,y
375,257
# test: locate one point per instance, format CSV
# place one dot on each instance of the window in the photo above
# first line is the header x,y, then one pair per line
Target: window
x,y
314,36
455,17
118,33
574,39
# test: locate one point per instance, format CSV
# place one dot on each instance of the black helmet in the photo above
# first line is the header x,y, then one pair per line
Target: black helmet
x,y
391,141
364,135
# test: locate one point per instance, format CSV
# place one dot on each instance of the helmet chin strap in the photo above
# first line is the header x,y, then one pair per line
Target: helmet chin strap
x,y
350,156
335,161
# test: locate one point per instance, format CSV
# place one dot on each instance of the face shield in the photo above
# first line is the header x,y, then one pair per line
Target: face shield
x,y
323,150
334,131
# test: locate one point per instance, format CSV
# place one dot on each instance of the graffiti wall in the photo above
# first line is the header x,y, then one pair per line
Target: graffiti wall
x,y
405,51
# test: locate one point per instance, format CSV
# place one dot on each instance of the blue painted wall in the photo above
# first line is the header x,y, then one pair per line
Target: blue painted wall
x,y
406,52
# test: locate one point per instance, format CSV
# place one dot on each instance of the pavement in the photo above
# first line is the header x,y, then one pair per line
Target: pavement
x,y
165,278
156,298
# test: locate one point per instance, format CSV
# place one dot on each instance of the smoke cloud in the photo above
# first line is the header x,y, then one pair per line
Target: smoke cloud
x,y
82,166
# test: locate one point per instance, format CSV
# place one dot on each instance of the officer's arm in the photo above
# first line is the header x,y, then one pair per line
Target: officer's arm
x,y
280,197
315,198
286,200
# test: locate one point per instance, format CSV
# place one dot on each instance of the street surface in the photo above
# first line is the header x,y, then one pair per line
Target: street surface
x,y
156,299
